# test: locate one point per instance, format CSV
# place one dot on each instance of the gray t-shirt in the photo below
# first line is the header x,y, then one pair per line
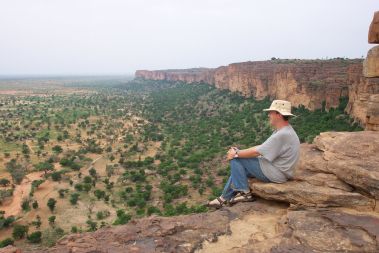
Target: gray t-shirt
x,y
279,154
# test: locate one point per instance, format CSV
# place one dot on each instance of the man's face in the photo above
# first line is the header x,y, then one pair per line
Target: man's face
x,y
274,117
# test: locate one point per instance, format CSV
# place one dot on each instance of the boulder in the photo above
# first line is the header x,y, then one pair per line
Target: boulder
x,y
371,63
320,178
372,117
373,33
353,158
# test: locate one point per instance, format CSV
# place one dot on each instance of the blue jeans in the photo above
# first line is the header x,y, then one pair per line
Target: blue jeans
x,y
240,170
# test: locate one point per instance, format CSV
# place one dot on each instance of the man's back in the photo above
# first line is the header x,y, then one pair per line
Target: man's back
x,y
279,154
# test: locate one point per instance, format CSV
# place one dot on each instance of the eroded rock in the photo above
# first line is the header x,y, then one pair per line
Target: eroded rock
x,y
353,158
371,63
373,33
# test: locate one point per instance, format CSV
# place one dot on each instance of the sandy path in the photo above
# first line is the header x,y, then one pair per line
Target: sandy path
x,y
13,207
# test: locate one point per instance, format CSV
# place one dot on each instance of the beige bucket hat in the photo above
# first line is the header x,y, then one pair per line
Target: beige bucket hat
x,y
281,106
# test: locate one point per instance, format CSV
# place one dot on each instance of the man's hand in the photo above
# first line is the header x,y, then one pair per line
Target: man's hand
x,y
243,153
231,153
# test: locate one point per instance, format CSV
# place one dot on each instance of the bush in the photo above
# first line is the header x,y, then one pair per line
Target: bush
x,y
6,242
25,205
56,176
6,222
74,198
122,217
92,225
52,219
35,204
16,170
51,204
19,231
4,182
35,237
102,214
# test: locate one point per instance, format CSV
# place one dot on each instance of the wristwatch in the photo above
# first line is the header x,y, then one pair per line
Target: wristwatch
x,y
237,151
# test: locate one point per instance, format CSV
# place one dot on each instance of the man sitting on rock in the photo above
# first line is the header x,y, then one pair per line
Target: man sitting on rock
x,y
272,161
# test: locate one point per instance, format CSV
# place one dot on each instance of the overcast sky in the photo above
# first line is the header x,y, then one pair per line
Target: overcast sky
x,y
120,36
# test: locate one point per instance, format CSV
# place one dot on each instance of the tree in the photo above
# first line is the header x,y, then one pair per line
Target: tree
x,y
92,225
19,231
35,237
51,204
35,204
4,182
52,220
57,149
74,198
56,176
16,170
93,172
44,166
6,242
122,217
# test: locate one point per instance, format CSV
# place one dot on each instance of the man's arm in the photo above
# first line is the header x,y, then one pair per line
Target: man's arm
x,y
243,153
248,153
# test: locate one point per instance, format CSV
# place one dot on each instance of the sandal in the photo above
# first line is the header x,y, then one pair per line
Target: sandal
x,y
243,197
217,203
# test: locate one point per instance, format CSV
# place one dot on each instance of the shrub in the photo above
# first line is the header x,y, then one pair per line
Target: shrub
x,y
56,176
4,182
51,204
35,237
74,198
122,217
19,231
6,242
25,205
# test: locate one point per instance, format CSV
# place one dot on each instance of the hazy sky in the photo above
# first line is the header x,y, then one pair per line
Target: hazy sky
x,y
120,36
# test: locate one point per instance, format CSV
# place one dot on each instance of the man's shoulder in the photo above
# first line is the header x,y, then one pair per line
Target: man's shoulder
x,y
288,134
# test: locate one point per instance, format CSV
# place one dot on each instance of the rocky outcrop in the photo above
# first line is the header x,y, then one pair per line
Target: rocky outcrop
x,y
340,169
371,63
333,198
363,101
364,94
373,33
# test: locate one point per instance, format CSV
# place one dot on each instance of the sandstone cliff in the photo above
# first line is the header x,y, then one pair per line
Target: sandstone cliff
x,y
333,198
306,82
303,82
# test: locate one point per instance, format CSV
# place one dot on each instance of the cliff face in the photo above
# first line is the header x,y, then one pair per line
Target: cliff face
x,y
303,82
299,81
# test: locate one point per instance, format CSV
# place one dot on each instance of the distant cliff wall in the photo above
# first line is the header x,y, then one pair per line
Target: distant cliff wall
x,y
303,82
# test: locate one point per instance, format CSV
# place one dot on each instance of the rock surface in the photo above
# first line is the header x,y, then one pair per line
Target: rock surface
x,y
373,33
371,63
330,206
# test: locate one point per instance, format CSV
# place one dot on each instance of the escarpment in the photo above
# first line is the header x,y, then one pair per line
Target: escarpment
x,y
312,83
